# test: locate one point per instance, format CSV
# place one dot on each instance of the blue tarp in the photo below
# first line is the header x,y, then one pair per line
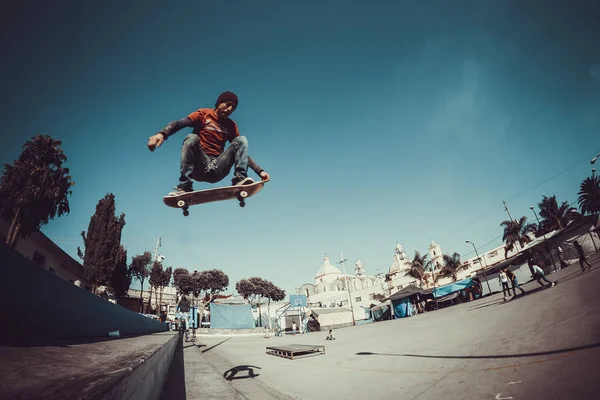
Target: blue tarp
x,y
453,287
231,316
403,308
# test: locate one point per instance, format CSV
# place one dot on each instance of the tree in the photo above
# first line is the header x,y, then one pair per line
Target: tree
x,y
380,297
139,269
156,276
102,242
589,195
418,268
516,232
208,285
253,289
120,279
164,281
182,280
451,266
553,216
273,293
35,189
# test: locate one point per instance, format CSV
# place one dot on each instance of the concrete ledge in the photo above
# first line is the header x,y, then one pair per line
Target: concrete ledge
x,y
219,331
101,368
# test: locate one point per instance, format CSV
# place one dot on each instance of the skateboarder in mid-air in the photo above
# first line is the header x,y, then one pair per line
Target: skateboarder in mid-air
x,y
204,157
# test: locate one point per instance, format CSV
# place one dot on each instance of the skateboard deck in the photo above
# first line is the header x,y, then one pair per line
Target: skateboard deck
x,y
185,200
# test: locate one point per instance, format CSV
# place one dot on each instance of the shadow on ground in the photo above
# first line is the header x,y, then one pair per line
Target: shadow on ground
x,y
540,353
213,346
231,373
174,387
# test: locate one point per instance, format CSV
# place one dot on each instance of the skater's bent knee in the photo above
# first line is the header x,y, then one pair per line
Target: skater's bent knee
x,y
241,140
192,138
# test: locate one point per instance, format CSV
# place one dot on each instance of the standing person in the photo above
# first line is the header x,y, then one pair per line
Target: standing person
x,y
513,280
504,283
561,258
538,274
294,327
581,255
204,157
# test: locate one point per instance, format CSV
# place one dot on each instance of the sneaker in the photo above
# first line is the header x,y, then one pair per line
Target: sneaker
x,y
553,284
240,182
181,190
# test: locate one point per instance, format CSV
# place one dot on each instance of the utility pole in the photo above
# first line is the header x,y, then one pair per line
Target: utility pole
x,y
511,220
156,249
343,262
508,211
149,285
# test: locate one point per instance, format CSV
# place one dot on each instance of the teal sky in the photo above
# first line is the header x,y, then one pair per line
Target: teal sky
x,y
379,122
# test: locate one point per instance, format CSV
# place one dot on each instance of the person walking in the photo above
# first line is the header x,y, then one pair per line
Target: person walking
x,y
538,274
503,280
581,254
561,258
513,280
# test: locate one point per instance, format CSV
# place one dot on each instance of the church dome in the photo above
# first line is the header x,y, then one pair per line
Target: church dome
x,y
401,262
327,269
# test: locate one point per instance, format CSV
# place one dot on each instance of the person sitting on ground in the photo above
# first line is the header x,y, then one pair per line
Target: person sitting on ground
x,y
513,280
538,274
330,335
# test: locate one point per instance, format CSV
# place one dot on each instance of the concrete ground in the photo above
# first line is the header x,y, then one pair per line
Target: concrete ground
x,y
545,344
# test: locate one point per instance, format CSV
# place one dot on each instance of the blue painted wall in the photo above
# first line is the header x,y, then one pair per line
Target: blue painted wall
x,y
35,303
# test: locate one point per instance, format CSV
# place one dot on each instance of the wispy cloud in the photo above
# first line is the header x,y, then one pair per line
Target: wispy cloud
x,y
466,112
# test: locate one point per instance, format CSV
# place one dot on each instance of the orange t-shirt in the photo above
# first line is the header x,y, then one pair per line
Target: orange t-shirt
x,y
214,134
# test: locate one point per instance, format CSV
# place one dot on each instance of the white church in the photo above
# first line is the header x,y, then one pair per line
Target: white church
x,y
330,287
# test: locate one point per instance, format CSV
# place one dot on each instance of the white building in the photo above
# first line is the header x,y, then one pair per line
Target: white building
x,y
396,277
40,249
332,288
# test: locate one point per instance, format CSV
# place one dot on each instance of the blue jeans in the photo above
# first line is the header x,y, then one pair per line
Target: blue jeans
x,y
515,285
541,277
196,165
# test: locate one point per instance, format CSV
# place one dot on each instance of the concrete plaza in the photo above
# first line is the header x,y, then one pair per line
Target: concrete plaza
x,y
545,344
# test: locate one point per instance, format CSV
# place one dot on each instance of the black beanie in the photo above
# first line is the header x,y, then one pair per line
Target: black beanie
x,y
227,96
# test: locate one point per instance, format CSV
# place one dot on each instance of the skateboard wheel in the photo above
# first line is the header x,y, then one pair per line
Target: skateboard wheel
x,y
243,194
180,203
242,203
186,213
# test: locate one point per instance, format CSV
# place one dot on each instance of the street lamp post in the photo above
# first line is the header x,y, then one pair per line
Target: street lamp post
x,y
482,268
343,262
544,236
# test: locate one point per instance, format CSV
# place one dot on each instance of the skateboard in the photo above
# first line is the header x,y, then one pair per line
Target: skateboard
x,y
185,200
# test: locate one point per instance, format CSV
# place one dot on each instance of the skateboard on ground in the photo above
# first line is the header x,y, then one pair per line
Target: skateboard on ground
x,y
185,200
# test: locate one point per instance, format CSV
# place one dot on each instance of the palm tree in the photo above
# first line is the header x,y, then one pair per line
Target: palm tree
x,y
553,216
417,272
451,266
516,232
417,267
589,195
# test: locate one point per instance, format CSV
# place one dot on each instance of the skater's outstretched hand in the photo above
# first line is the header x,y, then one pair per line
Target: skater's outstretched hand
x,y
264,176
155,141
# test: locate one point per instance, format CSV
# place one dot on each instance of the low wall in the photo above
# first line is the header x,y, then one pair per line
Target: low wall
x,y
36,302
